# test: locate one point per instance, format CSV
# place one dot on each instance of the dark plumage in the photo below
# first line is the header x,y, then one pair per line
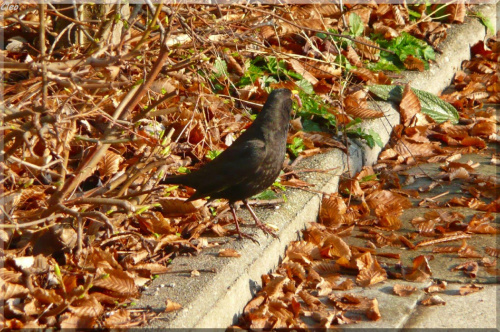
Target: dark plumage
x,y
250,164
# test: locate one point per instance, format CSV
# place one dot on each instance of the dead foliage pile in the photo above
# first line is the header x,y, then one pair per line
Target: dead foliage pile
x,y
318,283
100,102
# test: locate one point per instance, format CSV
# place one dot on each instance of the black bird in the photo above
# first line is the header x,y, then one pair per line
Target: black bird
x,y
250,165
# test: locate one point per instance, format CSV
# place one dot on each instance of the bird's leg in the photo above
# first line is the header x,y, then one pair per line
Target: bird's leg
x,y
258,223
241,235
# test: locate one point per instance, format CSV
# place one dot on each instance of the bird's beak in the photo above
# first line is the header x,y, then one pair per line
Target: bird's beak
x,y
295,94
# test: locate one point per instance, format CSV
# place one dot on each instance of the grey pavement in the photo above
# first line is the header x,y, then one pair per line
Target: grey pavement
x,y
216,297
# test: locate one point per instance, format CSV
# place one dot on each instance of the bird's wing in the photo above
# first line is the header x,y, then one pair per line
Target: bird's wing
x,y
235,165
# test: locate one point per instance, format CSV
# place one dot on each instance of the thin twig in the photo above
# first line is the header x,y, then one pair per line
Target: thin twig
x,y
31,223
41,12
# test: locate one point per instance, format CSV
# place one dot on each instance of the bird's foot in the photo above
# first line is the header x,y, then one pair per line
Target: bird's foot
x,y
242,236
266,229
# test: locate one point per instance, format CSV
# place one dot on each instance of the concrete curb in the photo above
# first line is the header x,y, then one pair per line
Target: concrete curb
x,y
216,299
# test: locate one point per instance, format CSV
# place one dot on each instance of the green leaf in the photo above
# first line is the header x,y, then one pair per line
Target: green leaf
x,y
370,139
220,67
432,105
356,26
183,169
309,125
266,194
485,21
414,14
278,184
314,108
306,86
272,65
321,35
376,138
57,270
213,154
371,177
297,146
402,46
383,64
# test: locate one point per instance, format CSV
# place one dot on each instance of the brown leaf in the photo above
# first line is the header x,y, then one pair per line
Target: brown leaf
x,y
117,318
470,268
9,290
86,307
434,288
473,141
483,128
433,300
332,210
229,253
353,57
373,313
295,270
175,206
384,197
326,268
492,251
413,63
409,105
344,285
421,270
274,289
172,306
335,247
299,68
110,164
311,301
47,296
350,187
364,74
403,290
363,113
367,51
116,281
469,289
70,321
480,224
370,271
456,12
398,15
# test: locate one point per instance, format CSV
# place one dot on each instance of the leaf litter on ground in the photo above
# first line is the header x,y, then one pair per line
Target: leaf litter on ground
x,y
81,245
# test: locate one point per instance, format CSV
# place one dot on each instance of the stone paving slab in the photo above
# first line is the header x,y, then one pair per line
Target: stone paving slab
x,y
474,311
218,295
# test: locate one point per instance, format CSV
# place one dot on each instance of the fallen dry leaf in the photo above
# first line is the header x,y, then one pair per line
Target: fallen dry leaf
x,y
469,289
433,300
229,252
172,306
404,290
